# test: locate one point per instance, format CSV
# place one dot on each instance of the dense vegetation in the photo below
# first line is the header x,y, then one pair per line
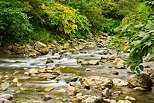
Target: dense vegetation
x,y
44,20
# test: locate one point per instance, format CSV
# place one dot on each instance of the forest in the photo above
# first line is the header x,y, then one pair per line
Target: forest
x,y
40,39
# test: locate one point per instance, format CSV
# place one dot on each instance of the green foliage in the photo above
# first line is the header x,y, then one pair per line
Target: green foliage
x,y
100,13
137,35
14,23
89,8
66,22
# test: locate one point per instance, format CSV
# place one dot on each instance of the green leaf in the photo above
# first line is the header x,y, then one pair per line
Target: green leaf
x,y
141,67
132,68
138,71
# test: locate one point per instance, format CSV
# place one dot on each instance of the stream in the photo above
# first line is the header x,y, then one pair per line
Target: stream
x,y
11,67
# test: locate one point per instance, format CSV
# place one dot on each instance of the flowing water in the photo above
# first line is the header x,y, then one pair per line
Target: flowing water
x,y
34,94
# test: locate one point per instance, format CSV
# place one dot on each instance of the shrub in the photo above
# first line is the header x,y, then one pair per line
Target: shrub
x,y
14,23
136,34
65,22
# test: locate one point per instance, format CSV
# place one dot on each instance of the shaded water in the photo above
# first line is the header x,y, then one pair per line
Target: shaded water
x,y
34,94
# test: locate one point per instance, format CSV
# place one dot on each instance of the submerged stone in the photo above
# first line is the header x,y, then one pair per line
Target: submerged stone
x,y
141,80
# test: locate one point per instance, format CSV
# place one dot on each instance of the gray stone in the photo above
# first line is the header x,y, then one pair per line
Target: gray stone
x,y
130,98
7,96
97,82
71,91
33,71
124,101
4,86
141,80
41,47
119,82
106,92
2,100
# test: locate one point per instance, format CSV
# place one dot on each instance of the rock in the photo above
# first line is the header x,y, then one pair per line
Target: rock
x,y
47,97
119,63
49,60
7,96
119,82
2,100
110,101
114,72
106,92
71,91
111,57
88,99
50,75
79,60
4,86
124,101
91,99
33,71
130,98
117,93
41,47
84,63
139,88
15,80
88,69
141,80
97,82
93,62
48,89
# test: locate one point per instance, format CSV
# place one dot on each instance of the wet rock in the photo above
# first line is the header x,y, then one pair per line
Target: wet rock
x,y
141,80
79,60
114,72
4,86
93,92
130,98
33,71
15,80
97,82
119,63
119,82
84,63
47,97
88,69
51,75
7,96
41,47
71,91
48,89
49,60
106,92
2,100
111,57
93,62
124,101
139,88
88,99
117,93
91,99
110,101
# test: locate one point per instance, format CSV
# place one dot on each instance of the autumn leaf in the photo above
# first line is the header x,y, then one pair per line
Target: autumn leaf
x,y
125,46
116,44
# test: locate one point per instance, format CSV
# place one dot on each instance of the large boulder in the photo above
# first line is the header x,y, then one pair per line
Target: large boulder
x,y
97,82
88,99
41,47
141,80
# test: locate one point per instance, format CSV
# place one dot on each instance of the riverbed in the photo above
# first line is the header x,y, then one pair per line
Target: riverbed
x,y
31,89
